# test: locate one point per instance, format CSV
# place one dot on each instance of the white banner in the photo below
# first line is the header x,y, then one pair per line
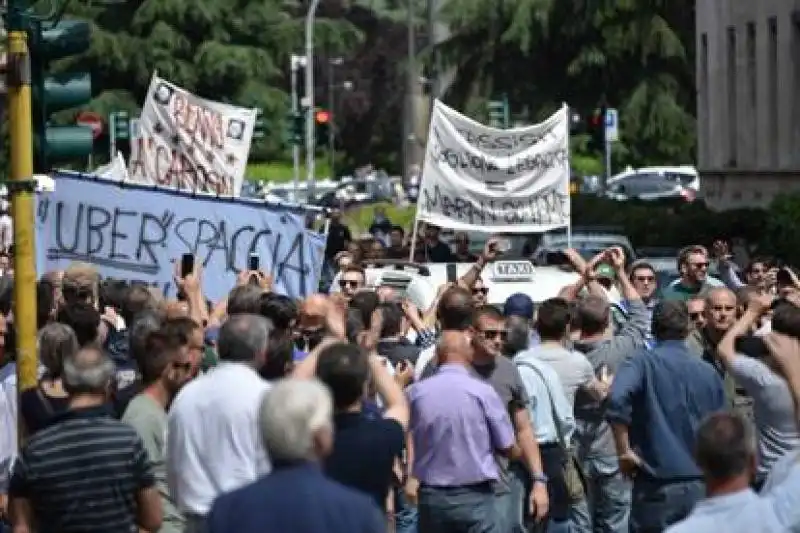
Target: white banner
x,y
478,178
190,143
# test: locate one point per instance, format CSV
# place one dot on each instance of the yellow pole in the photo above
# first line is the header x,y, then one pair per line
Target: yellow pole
x,y
22,198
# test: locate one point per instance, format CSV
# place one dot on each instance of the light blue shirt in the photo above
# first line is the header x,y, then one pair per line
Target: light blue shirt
x,y
539,392
775,511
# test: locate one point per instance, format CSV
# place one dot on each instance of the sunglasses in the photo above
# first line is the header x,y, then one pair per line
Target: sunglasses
x,y
490,334
695,316
482,290
699,265
348,283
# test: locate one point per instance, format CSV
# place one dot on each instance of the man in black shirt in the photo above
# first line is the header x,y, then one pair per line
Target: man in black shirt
x,y
338,235
435,250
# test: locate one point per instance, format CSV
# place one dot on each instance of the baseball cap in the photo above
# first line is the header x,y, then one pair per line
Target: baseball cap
x,y
604,270
519,304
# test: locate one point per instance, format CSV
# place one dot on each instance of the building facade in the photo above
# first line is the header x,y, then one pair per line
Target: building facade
x,y
748,100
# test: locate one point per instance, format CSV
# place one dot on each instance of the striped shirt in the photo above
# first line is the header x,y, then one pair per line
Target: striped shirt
x,y
82,473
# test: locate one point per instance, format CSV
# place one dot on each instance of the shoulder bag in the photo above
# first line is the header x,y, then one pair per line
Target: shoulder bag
x,y
573,474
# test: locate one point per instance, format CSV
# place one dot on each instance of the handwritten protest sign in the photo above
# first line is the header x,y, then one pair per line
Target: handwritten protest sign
x,y
190,143
135,232
486,179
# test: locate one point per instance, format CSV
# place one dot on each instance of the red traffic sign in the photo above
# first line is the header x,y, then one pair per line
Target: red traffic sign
x,y
92,120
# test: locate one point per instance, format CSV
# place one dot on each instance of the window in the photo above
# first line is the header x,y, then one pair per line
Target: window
x,y
773,140
752,89
704,113
732,97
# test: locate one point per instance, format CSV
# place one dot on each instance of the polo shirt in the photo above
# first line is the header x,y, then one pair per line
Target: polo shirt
x,y
82,473
364,450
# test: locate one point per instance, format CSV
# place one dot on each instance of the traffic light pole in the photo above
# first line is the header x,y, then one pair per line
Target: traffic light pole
x,y
310,132
295,64
21,188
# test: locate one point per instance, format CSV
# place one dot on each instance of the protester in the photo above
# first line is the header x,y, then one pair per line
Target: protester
x,y
606,351
86,471
458,424
655,404
40,405
725,450
295,422
167,367
693,263
774,409
212,441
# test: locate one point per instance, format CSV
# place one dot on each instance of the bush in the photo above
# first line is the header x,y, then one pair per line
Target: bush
x,y
359,219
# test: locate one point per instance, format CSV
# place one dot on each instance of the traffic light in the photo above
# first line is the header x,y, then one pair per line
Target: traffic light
x,y
57,92
597,129
322,119
499,113
120,125
259,128
297,128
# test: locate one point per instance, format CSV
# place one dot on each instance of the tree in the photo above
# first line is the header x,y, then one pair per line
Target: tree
x,y
636,56
234,51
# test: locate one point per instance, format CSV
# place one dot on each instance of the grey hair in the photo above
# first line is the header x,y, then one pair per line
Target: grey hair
x,y
243,337
56,342
88,371
292,413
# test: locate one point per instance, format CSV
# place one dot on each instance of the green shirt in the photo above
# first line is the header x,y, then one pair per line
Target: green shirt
x,y
150,421
678,291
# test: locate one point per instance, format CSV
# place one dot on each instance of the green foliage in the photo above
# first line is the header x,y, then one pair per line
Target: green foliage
x,y
636,56
280,172
233,51
781,238
360,218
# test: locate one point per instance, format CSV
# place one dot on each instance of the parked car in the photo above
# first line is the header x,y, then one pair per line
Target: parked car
x,y
655,183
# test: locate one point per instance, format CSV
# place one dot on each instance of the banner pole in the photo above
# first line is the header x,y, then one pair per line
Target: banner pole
x,y
569,178
413,240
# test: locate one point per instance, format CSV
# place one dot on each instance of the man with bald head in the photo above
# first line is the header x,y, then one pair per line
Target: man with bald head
x,y
310,325
458,424
454,312
720,315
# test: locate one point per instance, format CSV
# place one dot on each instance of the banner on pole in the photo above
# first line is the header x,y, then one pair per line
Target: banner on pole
x,y
190,143
478,178
135,232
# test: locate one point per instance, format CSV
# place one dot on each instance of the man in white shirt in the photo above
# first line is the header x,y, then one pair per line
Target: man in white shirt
x,y
213,445
726,452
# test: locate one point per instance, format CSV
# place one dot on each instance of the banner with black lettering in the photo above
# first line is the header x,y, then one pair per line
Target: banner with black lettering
x,y
135,232
478,178
190,143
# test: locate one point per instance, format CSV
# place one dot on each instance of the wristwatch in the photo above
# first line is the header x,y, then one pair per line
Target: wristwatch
x,y
539,478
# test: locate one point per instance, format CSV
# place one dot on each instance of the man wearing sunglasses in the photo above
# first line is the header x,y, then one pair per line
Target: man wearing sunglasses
x,y
489,363
351,281
693,263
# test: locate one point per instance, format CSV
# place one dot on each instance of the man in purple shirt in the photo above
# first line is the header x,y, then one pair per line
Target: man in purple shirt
x,y
458,424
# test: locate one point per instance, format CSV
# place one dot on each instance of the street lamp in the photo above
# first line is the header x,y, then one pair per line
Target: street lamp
x,y
295,63
310,132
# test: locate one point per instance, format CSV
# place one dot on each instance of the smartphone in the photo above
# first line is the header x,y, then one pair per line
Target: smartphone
x,y
252,263
783,277
187,264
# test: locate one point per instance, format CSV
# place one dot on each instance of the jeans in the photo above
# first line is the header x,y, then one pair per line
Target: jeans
x,y
607,505
469,509
405,514
657,505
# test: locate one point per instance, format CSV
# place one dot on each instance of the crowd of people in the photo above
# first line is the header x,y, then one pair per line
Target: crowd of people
x,y
670,410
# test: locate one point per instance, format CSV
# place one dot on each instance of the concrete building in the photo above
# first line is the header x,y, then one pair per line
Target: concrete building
x,y
748,100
